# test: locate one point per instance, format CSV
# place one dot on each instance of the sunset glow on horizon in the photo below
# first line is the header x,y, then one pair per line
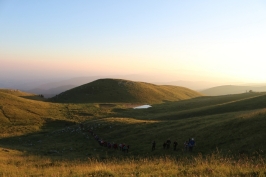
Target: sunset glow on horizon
x,y
176,40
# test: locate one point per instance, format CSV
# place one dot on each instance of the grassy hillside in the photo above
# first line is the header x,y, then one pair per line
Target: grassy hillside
x,y
22,113
124,91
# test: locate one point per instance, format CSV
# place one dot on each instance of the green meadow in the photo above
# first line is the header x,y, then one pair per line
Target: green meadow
x,y
41,137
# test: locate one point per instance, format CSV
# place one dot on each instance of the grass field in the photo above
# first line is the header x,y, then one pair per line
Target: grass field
x,y
15,163
41,138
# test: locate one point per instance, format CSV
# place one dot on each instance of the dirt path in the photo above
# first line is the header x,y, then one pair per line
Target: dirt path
x,y
3,112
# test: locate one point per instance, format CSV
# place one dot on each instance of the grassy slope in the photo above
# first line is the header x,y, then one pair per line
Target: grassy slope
x,y
233,123
22,112
123,91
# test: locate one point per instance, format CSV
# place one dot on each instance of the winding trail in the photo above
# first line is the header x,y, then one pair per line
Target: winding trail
x,y
3,112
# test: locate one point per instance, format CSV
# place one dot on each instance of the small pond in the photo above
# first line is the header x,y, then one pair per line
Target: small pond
x,y
142,107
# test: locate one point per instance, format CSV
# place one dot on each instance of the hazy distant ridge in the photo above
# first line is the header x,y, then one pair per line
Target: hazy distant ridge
x,y
232,89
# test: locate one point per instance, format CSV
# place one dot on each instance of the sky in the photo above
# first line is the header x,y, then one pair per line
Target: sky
x,y
206,40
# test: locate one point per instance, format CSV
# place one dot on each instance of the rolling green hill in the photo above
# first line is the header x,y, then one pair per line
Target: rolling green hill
x,y
124,91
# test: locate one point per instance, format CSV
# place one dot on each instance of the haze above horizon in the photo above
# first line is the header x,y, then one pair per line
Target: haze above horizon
x,y
214,41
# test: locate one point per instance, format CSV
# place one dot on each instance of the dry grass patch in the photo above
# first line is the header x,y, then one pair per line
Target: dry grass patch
x,y
14,163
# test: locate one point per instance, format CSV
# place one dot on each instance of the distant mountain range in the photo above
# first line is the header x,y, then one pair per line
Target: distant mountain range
x,y
51,89
56,86
232,89
194,85
51,92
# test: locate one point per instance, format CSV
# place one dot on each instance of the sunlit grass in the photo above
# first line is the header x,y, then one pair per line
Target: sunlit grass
x,y
14,163
128,120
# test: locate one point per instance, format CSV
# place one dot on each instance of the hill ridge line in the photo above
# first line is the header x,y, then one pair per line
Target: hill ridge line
x,y
124,91
185,113
220,104
240,100
7,117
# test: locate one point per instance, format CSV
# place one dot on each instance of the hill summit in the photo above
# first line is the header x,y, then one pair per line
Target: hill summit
x,y
124,91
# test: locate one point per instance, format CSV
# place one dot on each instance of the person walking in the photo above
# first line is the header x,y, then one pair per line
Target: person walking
x,y
164,145
191,144
175,145
168,143
153,145
186,145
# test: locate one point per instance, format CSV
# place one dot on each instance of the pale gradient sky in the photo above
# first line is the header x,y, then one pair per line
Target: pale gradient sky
x,y
192,40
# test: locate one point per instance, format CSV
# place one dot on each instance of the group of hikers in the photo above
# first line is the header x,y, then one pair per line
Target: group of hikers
x,y
188,145
121,146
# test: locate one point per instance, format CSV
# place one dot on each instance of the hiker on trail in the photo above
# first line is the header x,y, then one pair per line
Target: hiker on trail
x,y
123,145
153,145
115,146
175,145
105,144
164,145
109,145
120,147
186,145
96,137
168,143
191,144
125,148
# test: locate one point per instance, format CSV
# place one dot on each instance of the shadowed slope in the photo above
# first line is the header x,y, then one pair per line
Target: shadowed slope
x,y
124,91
